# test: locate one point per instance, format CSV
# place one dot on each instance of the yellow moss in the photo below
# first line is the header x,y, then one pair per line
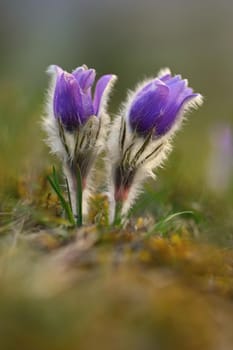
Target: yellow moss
x,y
47,241
140,223
176,239
98,211
145,256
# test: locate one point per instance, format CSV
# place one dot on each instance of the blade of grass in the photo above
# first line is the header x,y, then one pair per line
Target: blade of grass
x,y
162,224
56,181
64,204
55,177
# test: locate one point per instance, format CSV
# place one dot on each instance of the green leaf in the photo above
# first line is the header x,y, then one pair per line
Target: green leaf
x,y
56,187
55,178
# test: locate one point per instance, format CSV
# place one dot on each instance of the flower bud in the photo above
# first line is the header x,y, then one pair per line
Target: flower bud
x,y
159,104
73,103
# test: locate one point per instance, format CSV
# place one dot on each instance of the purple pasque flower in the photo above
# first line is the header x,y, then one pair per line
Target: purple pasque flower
x,y
157,105
74,101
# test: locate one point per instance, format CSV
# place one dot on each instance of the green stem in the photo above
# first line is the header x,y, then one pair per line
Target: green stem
x,y
68,193
117,217
79,196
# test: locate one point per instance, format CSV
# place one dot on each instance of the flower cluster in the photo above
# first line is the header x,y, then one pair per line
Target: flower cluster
x,y
137,141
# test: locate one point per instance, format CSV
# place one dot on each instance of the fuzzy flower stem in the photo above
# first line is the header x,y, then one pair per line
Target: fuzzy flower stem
x,y
63,138
117,216
79,198
124,176
76,177
68,192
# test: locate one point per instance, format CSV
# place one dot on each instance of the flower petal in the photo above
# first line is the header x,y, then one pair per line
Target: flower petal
x,y
179,95
147,107
101,90
174,80
78,72
67,102
84,77
87,106
165,77
54,69
150,85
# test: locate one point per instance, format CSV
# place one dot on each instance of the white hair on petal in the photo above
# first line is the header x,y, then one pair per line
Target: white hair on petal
x,y
186,82
163,71
194,103
106,94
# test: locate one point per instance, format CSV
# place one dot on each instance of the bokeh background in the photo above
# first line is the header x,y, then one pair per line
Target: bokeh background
x,y
132,39
113,290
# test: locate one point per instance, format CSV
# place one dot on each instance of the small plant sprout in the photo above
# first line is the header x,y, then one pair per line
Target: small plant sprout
x,y
76,123
140,137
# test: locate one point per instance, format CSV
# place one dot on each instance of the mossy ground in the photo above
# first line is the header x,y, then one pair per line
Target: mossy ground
x,y
145,286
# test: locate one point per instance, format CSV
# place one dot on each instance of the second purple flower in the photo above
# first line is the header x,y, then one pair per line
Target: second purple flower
x,y
140,138
158,105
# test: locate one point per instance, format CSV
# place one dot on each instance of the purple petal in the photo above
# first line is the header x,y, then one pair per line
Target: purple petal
x,y
70,104
179,95
165,77
186,99
84,77
67,101
78,72
100,88
150,86
87,107
177,90
174,80
147,107
54,69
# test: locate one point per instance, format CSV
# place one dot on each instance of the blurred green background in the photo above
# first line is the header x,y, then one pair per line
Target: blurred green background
x,y
132,39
